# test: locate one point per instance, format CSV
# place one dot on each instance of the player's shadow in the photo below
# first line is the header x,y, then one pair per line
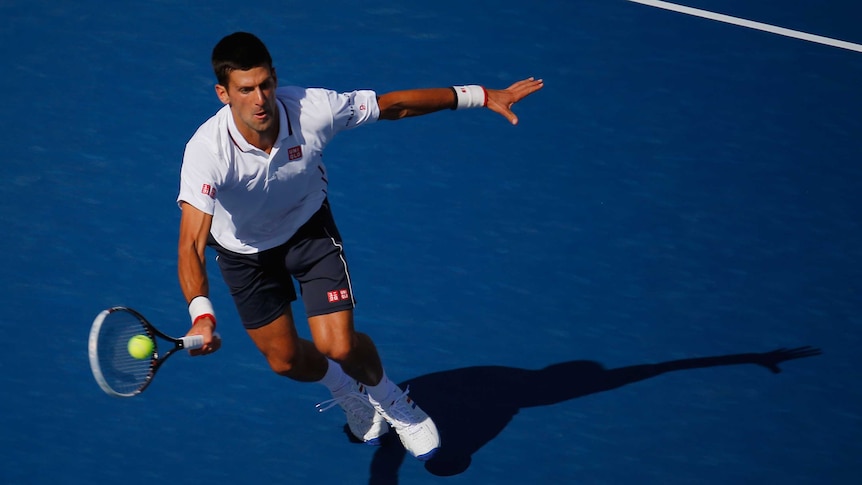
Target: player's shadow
x,y
473,405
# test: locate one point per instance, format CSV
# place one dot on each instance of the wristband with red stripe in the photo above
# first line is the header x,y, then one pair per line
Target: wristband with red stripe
x,y
201,307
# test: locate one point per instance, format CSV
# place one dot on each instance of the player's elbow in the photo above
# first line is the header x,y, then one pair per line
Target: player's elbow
x,y
391,107
394,113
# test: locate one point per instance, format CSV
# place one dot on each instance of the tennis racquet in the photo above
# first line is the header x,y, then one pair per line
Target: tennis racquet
x,y
116,371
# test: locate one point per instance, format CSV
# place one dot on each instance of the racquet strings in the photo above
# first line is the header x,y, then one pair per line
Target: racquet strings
x,y
123,373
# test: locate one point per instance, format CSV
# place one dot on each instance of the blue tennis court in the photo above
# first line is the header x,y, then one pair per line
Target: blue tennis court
x,y
594,296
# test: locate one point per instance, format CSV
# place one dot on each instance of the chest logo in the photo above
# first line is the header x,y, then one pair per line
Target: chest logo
x,y
294,153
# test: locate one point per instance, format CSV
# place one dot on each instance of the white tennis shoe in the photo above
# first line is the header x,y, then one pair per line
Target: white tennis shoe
x,y
364,422
415,429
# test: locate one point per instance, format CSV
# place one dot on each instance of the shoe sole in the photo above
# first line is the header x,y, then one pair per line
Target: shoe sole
x,y
375,441
429,455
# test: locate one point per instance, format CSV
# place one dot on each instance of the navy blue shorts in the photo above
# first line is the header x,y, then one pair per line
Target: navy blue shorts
x,y
261,283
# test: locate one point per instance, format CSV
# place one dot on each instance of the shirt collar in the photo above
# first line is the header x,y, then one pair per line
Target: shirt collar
x,y
285,130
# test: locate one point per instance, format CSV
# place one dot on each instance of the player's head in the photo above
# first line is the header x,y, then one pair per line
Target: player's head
x,y
238,51
247,83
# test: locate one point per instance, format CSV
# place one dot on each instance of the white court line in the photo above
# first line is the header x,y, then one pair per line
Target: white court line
x,y
751,24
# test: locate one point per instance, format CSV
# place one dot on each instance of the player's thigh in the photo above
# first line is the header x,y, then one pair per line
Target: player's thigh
x,y
259,284
278,340
315,258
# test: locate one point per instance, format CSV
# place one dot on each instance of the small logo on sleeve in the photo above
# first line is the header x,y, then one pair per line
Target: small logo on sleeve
x,y
294,153
209,190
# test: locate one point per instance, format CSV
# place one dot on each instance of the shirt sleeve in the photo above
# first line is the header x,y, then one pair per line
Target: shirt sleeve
x,y
199,177
353,109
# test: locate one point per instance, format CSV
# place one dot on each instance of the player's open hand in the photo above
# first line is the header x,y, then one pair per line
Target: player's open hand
x,y
501,100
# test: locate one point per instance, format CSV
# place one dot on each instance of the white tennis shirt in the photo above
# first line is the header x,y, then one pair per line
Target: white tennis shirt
x,y
259,200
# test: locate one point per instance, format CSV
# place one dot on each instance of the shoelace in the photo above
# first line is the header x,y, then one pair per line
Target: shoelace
x,y
352,402
400,412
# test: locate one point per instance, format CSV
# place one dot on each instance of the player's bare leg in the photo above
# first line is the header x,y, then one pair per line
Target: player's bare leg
x,y
353,363
335,336
287,354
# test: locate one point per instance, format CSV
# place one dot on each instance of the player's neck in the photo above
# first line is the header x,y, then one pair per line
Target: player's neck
x,y
263,140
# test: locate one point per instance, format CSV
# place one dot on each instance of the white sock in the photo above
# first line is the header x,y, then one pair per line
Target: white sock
x,y
384,391
335,379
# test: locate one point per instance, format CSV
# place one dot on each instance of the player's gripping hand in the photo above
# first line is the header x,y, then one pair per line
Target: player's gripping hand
x,y
205,327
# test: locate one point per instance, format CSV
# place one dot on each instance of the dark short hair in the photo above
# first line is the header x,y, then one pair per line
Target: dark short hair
x,y
239,50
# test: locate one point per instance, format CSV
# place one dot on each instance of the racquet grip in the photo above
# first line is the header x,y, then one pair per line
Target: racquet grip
x,y
191,342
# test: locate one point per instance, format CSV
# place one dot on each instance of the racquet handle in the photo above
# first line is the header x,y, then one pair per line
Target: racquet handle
x,y
191,342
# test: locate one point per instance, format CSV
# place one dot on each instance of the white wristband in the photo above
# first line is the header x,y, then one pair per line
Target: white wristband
x,y
470,96
200,307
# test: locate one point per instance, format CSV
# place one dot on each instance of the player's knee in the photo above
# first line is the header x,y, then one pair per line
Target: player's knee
x,y
338,351
282,365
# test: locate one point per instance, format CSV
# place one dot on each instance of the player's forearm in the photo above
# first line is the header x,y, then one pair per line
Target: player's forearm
x,y
415,102
192,273
191,260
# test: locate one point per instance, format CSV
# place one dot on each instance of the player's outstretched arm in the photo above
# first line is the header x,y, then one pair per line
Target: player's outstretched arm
x,y
416,102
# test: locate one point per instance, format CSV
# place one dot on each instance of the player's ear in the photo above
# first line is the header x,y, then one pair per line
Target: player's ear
x,y
274,77
221,92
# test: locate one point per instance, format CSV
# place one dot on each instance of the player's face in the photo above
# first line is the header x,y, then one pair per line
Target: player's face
x,y
251,96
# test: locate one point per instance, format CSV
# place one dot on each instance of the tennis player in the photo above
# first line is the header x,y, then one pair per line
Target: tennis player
x,y
253,187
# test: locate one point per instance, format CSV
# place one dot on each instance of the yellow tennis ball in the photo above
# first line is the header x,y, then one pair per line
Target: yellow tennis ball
x,y
140,347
